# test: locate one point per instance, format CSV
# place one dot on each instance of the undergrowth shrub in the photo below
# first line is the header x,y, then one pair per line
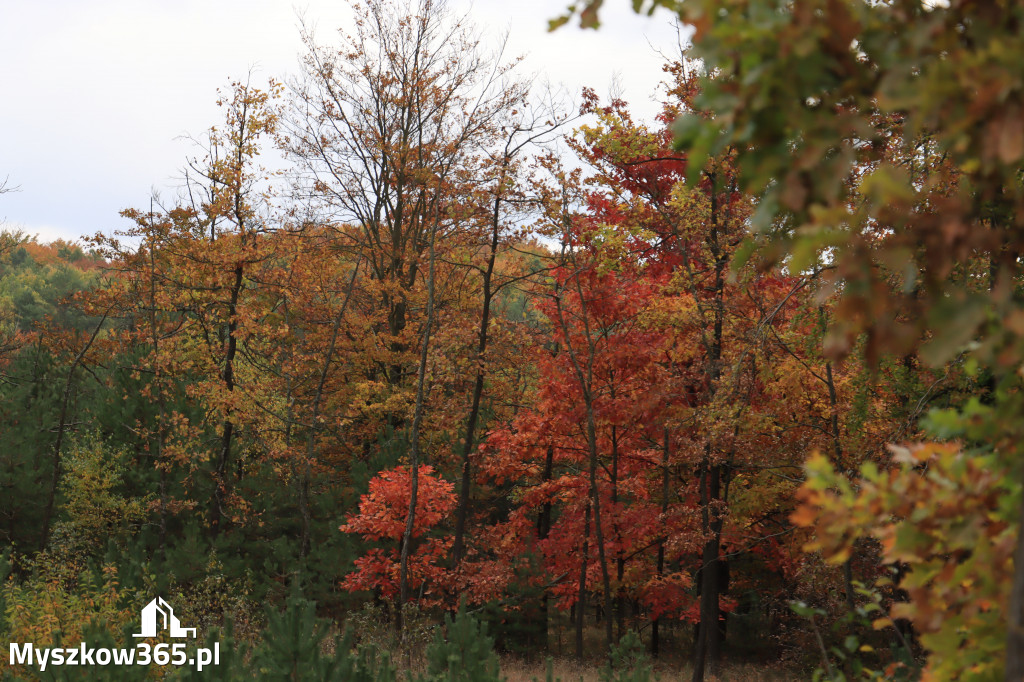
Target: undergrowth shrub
x,y
462,653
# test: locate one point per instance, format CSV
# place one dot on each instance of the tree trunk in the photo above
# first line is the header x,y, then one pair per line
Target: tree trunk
x,y
585,377
222,484
462,509
157,381
543,529
55,470
709,639
655,626
314,420
620,562
837,451
414,445
708,635
581,596
598,532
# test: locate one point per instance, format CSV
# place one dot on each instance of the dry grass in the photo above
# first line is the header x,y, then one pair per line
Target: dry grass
x,y
569,670
409,659
674,665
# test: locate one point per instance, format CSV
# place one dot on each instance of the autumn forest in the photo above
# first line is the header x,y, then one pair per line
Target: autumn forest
x,y
430,371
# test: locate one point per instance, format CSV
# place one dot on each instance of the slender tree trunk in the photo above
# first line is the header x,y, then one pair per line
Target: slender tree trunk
x,y
543,529
314,422
598,533
157,380
154,335
289,418
620,562
585,377
656,624
396,324
222,483
581,595
709,636
55,470
462,509
837,451
833,403
414,445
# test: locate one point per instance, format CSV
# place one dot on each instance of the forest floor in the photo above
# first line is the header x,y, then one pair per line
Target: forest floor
x,y
747,664
750,665
569,670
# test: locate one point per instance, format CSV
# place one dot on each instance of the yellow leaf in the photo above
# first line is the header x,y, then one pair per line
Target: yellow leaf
x,y
840,557
882,623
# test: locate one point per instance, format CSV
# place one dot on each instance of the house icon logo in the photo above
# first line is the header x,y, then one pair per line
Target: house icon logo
x,y
158,615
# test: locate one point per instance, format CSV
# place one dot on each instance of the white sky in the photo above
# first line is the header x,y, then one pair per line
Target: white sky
x,y
96,94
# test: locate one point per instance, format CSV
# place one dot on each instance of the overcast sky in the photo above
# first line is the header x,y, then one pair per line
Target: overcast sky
x,y
97,94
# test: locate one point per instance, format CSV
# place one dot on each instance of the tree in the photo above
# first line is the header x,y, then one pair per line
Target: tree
x,y
190,279
505,199
388,132
693,229
682,371
384,515
45,339
806,94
